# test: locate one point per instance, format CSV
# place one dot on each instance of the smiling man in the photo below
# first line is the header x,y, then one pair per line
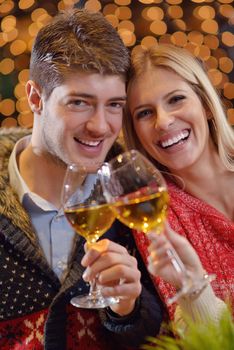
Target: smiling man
x,y
77,94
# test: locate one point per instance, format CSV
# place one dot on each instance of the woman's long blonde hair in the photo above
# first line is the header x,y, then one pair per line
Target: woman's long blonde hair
x,y
192,71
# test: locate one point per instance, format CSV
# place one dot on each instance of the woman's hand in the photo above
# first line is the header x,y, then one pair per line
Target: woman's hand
x,y
115,271
159,263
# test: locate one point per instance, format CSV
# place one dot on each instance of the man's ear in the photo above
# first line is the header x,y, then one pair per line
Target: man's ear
x,y
34,96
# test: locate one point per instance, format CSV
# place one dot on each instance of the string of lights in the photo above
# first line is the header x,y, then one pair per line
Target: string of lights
x,y
204,27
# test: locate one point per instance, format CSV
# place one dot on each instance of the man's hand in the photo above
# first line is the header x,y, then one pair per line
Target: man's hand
x,y
115,271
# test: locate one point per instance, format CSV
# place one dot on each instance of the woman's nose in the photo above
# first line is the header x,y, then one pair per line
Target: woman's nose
x,y
164,119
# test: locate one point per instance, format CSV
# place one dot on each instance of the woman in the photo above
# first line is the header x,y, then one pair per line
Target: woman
x,y
175,117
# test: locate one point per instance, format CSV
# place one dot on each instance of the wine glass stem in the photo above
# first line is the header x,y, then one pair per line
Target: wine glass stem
x,y
94,290
177,263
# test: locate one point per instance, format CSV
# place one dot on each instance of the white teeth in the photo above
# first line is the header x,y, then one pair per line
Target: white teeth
x,y
182,135
89,143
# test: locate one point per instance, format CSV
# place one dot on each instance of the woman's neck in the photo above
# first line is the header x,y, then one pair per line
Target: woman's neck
x,y
212,183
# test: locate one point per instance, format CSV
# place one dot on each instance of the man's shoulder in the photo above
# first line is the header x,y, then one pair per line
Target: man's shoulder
x,y
8,138
13,134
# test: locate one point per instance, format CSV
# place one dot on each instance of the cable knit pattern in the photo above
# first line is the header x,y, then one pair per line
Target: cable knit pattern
x,y
209,232
35,310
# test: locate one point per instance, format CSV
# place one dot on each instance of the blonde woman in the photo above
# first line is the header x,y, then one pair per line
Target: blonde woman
x,y
175,117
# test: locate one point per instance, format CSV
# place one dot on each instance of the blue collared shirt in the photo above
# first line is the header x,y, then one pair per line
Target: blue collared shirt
x,y
54,233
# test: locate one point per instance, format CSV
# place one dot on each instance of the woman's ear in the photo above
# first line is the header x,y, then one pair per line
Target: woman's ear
x,y
34,96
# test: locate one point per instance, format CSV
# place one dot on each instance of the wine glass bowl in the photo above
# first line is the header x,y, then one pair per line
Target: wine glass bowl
x,y
137,192
88,212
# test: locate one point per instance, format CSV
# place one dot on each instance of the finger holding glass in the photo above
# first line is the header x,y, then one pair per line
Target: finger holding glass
x,y
159,263
117,272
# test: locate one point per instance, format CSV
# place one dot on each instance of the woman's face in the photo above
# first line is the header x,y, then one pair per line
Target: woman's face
x,y
169,119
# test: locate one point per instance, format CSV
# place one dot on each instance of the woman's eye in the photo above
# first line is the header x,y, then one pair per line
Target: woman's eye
x,y
144,113
176,98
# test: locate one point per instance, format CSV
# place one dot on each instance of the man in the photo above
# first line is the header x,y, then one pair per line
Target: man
x,y
77,93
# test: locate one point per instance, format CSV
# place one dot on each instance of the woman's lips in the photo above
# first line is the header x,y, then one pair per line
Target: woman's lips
x,y
175,139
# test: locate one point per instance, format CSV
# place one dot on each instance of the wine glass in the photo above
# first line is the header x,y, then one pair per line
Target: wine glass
x,y
88,212
137,193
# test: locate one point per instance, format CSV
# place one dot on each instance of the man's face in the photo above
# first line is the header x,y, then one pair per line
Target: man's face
x,y
82,117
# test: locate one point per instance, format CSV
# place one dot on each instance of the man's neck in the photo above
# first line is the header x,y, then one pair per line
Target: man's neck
x,y
43,175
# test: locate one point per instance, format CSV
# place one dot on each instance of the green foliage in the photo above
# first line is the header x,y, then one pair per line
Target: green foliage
x,y
202,336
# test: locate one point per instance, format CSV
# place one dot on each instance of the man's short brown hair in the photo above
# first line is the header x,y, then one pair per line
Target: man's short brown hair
x,y
76,40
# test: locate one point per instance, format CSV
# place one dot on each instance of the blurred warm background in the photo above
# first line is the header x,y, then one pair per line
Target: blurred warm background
x,y
204,27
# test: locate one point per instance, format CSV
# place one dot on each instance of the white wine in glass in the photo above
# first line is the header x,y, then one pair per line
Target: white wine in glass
x,y
136,191
87,210
90,222
144,213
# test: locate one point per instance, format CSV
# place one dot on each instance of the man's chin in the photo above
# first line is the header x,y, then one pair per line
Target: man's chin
x,y
89,161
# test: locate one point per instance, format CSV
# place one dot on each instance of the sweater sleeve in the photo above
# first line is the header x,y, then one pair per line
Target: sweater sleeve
x,y
145,320
202,309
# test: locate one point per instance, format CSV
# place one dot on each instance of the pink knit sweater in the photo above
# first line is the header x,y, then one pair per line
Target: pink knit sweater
x,y
210,233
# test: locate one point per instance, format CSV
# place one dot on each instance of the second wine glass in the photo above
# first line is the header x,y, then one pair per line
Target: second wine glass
x,y
86,209
138,194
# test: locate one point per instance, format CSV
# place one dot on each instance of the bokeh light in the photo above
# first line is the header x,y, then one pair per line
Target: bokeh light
x,y
203,27
7,107
6,66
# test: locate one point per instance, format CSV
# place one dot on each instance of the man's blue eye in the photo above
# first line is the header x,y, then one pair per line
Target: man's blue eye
x,y
117,104
78,102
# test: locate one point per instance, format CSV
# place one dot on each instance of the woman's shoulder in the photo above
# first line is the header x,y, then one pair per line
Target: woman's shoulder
x,y
192,212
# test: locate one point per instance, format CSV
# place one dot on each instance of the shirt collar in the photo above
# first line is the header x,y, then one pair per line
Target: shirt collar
x,y
17,182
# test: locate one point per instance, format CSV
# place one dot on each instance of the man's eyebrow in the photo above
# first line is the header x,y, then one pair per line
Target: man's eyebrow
x,y
81,94
85,95
118,98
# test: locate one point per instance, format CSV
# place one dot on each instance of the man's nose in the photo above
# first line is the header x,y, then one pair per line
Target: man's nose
x,y
97,123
